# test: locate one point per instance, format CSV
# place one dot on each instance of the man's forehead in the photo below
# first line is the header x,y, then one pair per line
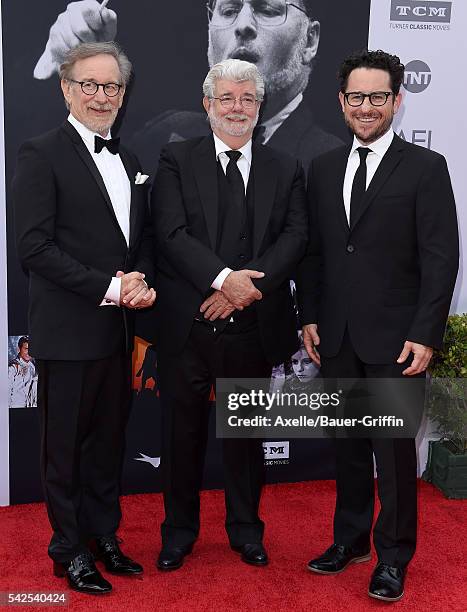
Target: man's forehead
x,y
305,4
227,86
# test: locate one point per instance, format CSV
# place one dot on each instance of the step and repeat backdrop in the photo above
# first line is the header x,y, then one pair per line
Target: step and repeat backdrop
x,y
171,46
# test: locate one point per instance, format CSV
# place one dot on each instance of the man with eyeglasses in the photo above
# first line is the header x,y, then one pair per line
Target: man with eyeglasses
x,y
374,291
280,37
83,234
230,225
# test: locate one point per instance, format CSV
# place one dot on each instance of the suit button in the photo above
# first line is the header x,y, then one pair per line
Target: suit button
x,y
241,256
350,248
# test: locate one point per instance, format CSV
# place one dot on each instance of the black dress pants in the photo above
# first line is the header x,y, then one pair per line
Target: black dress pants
x,y
185,383
83,407
395,530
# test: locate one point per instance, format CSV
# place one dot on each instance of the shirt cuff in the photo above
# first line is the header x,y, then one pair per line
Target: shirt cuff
x,y
112,295
220,278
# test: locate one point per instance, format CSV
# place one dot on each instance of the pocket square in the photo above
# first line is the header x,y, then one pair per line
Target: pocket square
x,y
141,178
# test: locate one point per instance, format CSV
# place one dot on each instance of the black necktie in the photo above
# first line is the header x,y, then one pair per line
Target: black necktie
x,y
235,179
112,144
358,185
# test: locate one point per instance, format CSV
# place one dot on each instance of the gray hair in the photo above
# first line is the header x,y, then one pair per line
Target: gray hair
x,y
91,49
233,70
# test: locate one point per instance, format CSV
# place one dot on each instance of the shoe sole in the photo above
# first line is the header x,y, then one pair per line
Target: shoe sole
x,y
382,598
255,563
354,560
169,569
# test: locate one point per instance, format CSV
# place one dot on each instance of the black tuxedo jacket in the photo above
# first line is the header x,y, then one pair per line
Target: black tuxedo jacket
x,y
299,135
70,242
185,212
390,278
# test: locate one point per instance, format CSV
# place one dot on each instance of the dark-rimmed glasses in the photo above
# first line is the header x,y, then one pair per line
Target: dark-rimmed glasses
x,y
269,13
90,88
376,98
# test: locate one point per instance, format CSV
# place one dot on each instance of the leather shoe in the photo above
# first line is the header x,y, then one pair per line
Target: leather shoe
x,y
171,557
387,583
107,550
82,575
254,554
337,557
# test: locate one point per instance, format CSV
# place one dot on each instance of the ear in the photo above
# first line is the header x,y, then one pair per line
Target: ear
x,y
66,86
397,102
312,41
121,94
342,101
206,103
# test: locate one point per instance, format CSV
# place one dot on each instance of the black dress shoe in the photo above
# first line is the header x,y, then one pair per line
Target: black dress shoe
x,y
106,549
171,557
387,583
337,558
254,554
82,575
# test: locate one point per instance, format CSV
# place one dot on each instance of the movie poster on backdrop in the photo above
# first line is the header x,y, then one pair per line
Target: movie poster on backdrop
x,y
171,45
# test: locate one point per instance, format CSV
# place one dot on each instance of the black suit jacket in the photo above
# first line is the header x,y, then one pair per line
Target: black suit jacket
x,y
298,136
391,277
185,212
70,242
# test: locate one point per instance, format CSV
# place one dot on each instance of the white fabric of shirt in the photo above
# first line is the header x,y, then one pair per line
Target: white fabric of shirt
x,y
244,165
378,150
273,124
118,187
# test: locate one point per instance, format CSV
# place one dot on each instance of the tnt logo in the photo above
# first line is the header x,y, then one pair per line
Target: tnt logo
x,y
276,450
417,76
410,10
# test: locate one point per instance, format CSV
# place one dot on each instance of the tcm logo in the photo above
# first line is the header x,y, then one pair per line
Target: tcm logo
x,y
410,10
276,450
417,76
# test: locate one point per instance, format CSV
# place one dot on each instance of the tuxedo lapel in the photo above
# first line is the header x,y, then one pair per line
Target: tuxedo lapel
x,y
265,184
131,173
83,152
205,172
386,167
339,171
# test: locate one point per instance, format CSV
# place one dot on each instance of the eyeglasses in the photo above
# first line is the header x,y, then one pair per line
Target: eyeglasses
x,y
248,102
376,98
269,13
90,87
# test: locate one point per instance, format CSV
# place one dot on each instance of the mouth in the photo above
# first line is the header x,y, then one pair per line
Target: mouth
x,y
98,110
367,120
242,53
237,118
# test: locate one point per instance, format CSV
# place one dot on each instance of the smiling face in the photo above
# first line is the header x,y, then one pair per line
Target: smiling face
x,y
24,351
97,112
234,126
283,53
369,122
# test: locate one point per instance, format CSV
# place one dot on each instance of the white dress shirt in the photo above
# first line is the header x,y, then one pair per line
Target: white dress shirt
x,y
273,124
118,187
244,165
377,152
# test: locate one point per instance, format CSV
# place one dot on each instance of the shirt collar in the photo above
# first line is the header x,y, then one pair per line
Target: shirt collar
x,y
221,147
86,134
379,146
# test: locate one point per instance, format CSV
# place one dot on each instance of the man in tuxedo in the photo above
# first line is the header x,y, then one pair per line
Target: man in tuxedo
x,y
84,238
281,38
374,291
230,226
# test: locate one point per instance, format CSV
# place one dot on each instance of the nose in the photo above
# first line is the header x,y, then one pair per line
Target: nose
x,y
367,106
245,24
100,95
238,106
301,369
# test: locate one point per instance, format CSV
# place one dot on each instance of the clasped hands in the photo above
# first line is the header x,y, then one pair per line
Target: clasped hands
x,y
134,291
237,293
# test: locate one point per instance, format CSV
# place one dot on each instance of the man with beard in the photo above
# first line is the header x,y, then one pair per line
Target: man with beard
x,y
230,226
374,292
82,233
281,38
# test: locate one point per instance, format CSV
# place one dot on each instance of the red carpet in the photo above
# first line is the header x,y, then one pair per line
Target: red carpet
x,y
298,526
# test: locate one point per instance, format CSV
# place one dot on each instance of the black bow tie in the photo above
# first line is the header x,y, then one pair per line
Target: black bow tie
x,y
112,144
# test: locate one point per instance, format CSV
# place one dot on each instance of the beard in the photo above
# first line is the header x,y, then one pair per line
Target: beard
x,y
223,124
101,125
368,137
